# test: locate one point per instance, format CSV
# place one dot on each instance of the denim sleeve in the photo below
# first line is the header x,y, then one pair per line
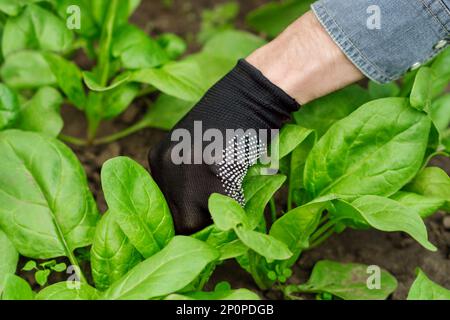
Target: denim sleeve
x,y
386,38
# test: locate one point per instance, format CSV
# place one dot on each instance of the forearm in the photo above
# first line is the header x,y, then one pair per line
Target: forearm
x,y
305,62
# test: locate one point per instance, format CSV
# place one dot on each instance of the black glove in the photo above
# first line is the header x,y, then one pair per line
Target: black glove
x,y
243,99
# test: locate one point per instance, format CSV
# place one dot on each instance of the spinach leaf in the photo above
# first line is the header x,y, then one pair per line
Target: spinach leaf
x,y
441,69
233,249
137,50
275,16
425,289
388,215
137,205
9,106
119,99
296,226
69,79
258,192
168,271
38,29
421,93
376,150
347,281
188,79
42,113
65,291
47,208
263,244
291,135
226,212
322,113
10,257
15,288
112,254
425,206
440,113
432,182
27,70
173,45
233,44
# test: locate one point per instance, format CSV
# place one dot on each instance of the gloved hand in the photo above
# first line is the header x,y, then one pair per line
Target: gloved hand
x,y
243,99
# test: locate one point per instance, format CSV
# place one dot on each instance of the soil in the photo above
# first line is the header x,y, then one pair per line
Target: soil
x,y
395,252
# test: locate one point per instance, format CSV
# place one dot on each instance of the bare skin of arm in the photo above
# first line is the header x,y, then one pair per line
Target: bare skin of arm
x,y
305,62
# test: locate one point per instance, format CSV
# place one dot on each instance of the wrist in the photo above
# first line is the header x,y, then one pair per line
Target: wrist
x,y
305,62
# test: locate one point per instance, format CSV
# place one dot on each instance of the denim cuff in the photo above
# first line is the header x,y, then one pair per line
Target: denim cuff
x,y
409,34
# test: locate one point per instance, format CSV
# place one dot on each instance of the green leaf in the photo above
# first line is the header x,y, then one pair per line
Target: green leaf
x,y
432,182
9,258
322,113
168,271
425,206
232,250
137,205
137,50
69,79
374,151
47,209
258,191
425,289
68,291
42,113
173,45
9,107
348,281
441,69
166,112
226,212
263,244
38,29
440,113
41,277
388,215
421,93
60,267
119,99
295,227
274,17
27,70
112,254
15,288
188,79
90,79
385,90
88,27
291,135
233,44
30,265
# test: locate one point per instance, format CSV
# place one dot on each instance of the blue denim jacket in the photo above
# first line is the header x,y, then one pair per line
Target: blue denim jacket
x,y
386,38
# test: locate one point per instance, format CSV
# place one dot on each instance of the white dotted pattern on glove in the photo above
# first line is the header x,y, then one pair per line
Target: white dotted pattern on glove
x,y
240,154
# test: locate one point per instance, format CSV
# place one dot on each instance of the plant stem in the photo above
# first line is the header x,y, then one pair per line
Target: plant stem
x,y
73,140
121,134
104,66
322,230
321,239
273,209
74,262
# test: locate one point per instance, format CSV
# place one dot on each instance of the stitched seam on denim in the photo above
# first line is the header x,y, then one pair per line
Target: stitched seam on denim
x,y
355,55
427,7
445,7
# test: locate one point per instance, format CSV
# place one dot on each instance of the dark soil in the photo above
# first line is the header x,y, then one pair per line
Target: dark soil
x,y
395,252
